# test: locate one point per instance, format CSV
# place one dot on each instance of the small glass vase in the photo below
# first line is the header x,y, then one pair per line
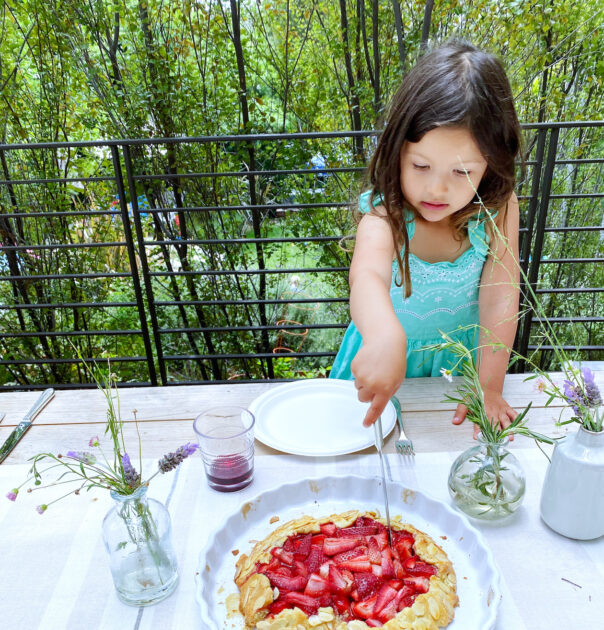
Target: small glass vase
x,y
572,497
137,536
487,481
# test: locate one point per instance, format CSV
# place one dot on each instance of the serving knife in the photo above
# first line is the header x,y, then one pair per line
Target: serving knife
x,y
12,440
379,443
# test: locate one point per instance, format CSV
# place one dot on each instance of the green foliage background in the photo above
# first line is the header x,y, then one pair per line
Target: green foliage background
x,y
81,70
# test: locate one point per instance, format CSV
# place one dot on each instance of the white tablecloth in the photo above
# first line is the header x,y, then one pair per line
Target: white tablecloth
x,y
54,570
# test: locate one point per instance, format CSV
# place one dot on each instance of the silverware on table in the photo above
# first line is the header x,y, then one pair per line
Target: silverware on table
x,y
45,397
403,445
379,443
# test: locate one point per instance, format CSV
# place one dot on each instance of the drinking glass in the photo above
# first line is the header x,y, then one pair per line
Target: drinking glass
x,y
226,444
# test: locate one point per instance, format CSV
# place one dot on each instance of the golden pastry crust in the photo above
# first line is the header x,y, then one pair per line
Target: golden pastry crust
x,y
429,611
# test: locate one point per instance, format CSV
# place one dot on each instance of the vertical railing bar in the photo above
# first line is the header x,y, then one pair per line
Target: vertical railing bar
x,y
142,252
133,266
533,271
536,181
527,237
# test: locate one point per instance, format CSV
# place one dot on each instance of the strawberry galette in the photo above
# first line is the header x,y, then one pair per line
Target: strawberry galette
x,y
340,573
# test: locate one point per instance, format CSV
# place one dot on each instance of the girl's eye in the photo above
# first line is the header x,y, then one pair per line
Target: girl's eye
x,y
420,167
461,172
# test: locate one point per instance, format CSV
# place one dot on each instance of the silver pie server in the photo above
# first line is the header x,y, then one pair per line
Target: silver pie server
x,y
379,443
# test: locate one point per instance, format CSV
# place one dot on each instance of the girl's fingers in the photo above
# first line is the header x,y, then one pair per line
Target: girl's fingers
x,y
512,413
375,410
364,394
460,414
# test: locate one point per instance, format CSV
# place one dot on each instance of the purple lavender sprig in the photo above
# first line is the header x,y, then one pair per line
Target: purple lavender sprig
x,y
131,477
172,460
584,398
82,456
574,397
592,393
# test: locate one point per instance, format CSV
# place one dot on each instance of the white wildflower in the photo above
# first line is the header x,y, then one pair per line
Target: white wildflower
x,y
446,374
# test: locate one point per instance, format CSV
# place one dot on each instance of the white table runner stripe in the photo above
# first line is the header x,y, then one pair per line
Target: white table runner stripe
x,y
55,573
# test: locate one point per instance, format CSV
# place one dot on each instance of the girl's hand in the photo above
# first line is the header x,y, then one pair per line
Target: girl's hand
x,y
379,370
496,408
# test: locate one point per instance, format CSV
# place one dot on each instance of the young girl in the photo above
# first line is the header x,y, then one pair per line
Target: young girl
x,y
427,257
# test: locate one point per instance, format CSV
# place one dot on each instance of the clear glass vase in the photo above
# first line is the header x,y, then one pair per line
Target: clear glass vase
x,y
137,536
487,481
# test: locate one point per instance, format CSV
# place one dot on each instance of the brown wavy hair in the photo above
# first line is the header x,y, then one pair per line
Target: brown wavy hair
x,y
454,85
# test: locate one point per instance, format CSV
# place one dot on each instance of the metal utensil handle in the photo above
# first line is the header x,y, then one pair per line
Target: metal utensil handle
x,y
46,396
379,441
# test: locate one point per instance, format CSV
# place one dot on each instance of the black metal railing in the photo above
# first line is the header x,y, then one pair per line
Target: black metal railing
x,y
126,249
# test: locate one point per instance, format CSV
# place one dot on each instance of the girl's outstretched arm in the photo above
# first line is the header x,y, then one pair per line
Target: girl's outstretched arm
x,y
379,366
498,304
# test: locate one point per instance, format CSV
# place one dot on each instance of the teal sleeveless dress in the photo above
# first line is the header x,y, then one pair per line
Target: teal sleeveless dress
x,y
444,297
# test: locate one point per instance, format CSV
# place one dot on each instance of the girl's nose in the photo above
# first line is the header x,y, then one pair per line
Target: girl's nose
x,y
438,185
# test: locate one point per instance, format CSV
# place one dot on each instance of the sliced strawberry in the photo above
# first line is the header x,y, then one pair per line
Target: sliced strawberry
x,y
284,583
387,565
405,597
376,569
309,605
399,572
385,595
388,612
366,530
396,584
354,594
332,546
288,545
271,566
400,534
286,557
329,529
341,603
314,559
316,586
357,565
300,568
302,546
324,568
364,521
404,548
351,553
348,577
373,623
317,539
337,582
381,539
277,606
417,567
373,551
366,584
364,609
280,570
409,563
419,583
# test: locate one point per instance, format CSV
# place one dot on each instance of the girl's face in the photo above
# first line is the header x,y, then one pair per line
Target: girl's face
x,y
435,172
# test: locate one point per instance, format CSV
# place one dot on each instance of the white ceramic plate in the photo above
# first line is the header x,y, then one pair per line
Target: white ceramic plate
x,y
477,575
318,417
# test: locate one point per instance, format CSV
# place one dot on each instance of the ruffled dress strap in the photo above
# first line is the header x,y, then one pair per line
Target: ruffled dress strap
x,y
365,199
365,208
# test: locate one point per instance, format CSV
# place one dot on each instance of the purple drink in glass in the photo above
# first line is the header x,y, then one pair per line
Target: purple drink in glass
x,y
228,473
226,445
